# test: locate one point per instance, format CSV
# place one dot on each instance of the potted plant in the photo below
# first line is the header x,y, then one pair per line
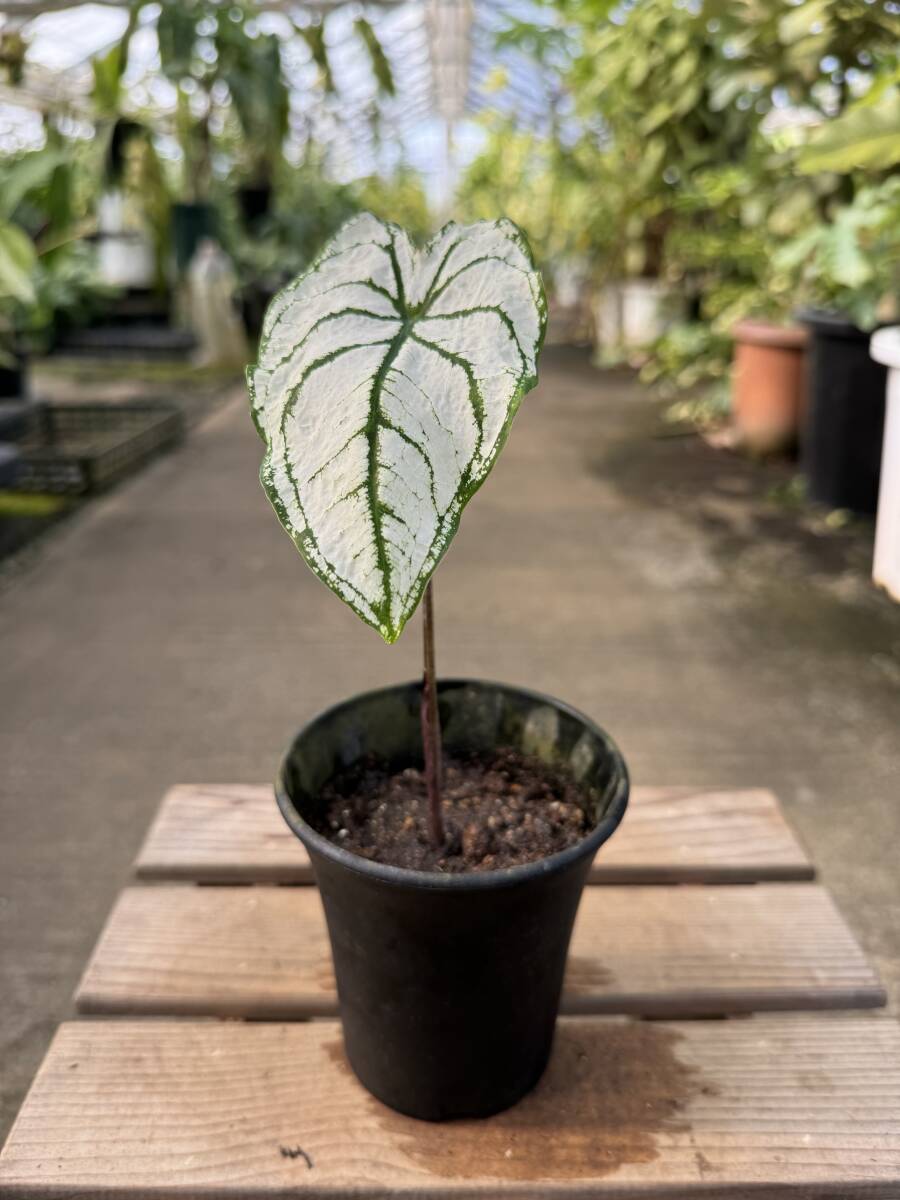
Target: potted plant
x,y
13,365
188,59
252,69
48,276
848,271
450,823
125,251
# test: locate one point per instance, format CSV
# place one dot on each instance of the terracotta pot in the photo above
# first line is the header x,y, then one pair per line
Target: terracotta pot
x,y
769,384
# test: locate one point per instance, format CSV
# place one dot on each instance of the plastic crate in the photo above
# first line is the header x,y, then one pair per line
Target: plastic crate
x,y
75,449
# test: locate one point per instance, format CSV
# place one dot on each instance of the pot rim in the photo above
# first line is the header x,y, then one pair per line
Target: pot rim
x,y
770,335
472,881
832,323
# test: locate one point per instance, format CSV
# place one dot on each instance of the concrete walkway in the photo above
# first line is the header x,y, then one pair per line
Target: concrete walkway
x,y
171,633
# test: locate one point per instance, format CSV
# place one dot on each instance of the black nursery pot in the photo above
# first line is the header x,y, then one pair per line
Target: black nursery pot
x,y
13,379
191,223
845,415
449,985
254,202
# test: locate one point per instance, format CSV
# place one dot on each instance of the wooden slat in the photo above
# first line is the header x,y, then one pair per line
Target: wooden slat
x,y
234,834
789,1108
263,952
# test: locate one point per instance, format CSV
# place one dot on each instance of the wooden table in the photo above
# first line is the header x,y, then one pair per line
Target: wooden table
x,y
703,906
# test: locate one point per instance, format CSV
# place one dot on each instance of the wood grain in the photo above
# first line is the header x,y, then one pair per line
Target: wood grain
x,y
263,952
235,834
786,1108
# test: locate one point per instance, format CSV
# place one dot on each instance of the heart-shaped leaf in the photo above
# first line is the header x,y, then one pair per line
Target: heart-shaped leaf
x,y
387,380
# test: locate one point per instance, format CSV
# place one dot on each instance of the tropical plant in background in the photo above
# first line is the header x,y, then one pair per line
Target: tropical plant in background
x,y
851,263
46,272
653,149
133,186
252,69
207,54
224,68
545,179
387,381
766,120
217,50
547,188
107,95
719,254
310,207
18,265
758,178
865,137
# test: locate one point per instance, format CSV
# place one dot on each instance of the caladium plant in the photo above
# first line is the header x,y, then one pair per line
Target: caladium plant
x,y
387,380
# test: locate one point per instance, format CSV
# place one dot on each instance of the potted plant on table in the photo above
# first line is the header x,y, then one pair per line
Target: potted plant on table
x,y
451,823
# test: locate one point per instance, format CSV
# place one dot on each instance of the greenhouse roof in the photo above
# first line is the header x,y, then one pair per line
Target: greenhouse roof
x,y
446,65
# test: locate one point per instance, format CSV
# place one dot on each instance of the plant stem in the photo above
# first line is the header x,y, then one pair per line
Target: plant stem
x,y
431,725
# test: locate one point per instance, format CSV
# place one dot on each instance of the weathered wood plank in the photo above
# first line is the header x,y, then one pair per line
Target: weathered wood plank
x,y
234,834
263,952
781,1107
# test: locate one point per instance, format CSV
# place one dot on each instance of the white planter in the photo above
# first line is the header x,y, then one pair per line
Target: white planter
x,y
569,279
124,252
211,294
885,349
632,313
125,260
111,215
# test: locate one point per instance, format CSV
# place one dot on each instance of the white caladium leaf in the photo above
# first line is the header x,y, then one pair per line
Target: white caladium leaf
x,y
387,380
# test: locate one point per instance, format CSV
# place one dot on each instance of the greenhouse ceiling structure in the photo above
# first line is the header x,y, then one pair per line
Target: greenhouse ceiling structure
x,y
443,55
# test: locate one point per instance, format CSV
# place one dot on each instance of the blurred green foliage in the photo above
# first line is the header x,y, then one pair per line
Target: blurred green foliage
x,y
852,261
744,152
46,271
231,120
309,208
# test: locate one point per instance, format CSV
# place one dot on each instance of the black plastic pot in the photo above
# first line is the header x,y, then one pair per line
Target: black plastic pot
x,y
191,223
254,201
449,985
841,447
255,298
13,379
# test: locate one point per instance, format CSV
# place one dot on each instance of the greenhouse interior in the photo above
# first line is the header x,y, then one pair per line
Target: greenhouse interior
x,y
327,265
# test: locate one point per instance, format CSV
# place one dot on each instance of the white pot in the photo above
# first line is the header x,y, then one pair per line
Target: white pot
x,y
568,281
125,256
885,349
632,313
111,213
126,260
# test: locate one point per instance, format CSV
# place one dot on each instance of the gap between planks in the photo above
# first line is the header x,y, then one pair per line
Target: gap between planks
x,y
233,833
263,953
790,1108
